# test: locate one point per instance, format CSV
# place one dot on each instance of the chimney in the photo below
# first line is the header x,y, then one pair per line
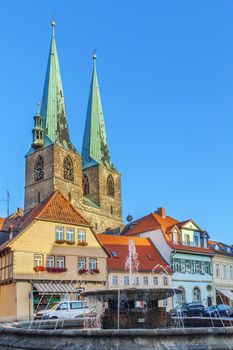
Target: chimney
x,y
162,212
20,211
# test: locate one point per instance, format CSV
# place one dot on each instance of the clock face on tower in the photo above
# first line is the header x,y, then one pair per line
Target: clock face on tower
x,y
39,169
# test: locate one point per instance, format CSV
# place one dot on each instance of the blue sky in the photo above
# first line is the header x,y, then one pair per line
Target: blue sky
x,y
166,76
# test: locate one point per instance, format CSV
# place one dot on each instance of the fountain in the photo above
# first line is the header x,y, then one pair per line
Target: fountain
x,y
131,307
128,318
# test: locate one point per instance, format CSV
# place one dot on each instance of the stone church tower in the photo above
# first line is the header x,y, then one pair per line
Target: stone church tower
x,y
91,183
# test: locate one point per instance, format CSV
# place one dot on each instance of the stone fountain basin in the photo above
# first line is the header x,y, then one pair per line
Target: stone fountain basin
x,y
130,339
133,294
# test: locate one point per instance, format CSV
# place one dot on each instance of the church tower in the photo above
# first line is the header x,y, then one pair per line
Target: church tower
x,y
101,180
52,162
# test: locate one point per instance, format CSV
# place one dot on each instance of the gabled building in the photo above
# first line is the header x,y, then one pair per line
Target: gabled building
x,y
222,272
49,254
152,271
184,245
90,182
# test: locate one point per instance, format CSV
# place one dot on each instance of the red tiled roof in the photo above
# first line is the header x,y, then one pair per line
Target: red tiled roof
x,y
55,208
144,247
166,224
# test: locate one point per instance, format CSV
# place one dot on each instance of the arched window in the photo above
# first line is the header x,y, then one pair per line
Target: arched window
x,y
180,297
110,186
85,184
68,169
39,169
196,294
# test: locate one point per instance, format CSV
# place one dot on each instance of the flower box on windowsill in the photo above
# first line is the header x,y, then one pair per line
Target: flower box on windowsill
x,y
70,242
56,269
82,271
82,243
95,271
39,268
60,241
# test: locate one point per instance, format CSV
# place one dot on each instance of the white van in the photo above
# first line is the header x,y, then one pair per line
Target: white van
x,y
64,309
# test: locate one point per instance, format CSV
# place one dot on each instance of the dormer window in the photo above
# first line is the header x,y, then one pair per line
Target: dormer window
x,y
175,237
186,239
196,239
205,242
216,247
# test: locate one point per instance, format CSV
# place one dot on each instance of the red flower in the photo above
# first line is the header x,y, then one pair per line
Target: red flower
x,y
39,268
82,271
95,271
56,269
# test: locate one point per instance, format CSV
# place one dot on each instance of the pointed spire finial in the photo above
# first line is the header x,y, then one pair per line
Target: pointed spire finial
x,y
94,56
38,107
53,24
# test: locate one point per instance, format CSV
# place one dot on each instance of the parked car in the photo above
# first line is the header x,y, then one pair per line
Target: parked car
x,y
218,310
64,310
188,310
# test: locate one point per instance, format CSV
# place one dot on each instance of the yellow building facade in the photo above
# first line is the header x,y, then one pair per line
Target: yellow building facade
x,y
51,254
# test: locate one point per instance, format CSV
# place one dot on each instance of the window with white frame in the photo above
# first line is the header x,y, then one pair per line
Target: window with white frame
x,y
186,239
217,267
165,281
38,260
155,280
50,261
175,237
70,234
180,297
145,281
224,270
92,263
82,235
115,280
61,262
59,233
196,239
81,263
205,242
136,281
126,280
196,294
231,272
165,303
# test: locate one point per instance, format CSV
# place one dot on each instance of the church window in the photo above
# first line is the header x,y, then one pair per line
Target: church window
x,y
39,169
69,196
96,226
112,210
68,169
38,198
110,186
85,184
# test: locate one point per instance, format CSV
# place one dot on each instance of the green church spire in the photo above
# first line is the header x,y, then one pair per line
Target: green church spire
x,y
53,108
95,145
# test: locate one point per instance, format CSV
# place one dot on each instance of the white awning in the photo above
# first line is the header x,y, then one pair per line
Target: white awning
x,y
227,292
54,288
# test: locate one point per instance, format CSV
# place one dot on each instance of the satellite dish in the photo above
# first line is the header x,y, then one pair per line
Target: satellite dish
x,y
129,218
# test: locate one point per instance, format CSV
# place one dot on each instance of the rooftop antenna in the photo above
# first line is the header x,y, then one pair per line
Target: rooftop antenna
x,y
7,200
